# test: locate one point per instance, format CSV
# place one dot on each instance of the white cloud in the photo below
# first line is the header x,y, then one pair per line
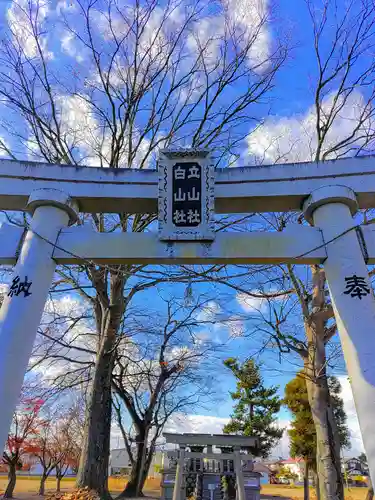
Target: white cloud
x,y
282,447
209,424
203,424
4,146
69,46
82,131
64,305
294,139
249,20
243,18
78,123
118,77
235,326
79,129
63,321
241,22
351,413
153,40
24,16
209,312
207,37
249,303
65,6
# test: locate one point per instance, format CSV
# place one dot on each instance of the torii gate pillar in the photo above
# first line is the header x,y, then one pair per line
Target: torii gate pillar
x,y
32,278
331,209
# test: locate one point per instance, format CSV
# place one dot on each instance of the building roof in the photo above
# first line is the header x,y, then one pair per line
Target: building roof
x,y
214,439
260,467
292,461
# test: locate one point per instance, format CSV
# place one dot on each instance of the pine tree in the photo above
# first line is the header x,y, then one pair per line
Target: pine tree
x,y
256,407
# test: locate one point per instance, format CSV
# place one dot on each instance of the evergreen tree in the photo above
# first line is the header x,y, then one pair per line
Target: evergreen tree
x,y
256,407
302,433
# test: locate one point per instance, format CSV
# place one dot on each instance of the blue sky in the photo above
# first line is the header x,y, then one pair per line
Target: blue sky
x,y
289,105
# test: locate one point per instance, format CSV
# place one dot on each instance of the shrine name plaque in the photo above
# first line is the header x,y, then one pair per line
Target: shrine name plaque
x,y
186,195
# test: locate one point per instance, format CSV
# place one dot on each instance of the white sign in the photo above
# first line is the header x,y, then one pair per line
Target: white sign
x,y
186,195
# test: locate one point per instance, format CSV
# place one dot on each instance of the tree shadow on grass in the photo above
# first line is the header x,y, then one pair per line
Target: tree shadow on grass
x,y
274,497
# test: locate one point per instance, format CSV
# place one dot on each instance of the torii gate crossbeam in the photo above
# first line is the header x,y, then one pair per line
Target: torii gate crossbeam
x,y
329,193
296,245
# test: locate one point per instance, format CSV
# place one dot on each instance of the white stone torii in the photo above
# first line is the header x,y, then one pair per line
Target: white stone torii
x,y
329,193
207,441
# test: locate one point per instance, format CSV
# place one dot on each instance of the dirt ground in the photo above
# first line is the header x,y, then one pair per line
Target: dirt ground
x,y
27,487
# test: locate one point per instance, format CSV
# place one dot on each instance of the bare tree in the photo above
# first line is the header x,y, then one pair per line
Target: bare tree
x,y
67,441
166,374
340,123
160,366
142,77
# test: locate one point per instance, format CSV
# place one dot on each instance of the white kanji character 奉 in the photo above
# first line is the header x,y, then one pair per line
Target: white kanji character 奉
x,y
193,216
179,196
193,196
194,173
179,216
179,173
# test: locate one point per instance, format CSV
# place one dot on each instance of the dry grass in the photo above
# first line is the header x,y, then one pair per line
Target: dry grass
x,y
296,493
30,485
27,487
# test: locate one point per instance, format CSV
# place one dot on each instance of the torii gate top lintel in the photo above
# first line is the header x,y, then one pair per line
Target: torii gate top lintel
x,y
237,190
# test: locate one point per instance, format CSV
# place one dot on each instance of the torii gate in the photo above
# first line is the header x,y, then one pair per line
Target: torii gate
x,y
329,193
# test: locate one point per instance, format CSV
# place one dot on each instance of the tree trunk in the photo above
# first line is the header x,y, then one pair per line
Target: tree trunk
x,y
306,485
331,485
370,491
42,484
139,470
109,311
58,483
147,465
316,485
94,463
12,478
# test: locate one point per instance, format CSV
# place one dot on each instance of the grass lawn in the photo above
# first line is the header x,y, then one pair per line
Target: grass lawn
x,y
30,484
27,487
296,492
